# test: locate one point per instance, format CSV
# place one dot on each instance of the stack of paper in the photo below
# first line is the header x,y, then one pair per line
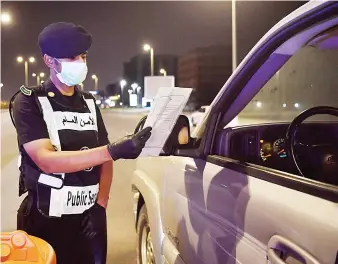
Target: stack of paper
x,y
167,106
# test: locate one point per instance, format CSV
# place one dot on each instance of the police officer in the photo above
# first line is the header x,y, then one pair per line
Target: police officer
x,y
66,157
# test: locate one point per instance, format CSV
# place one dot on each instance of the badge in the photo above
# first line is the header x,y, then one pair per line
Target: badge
x,y
25,90
51,94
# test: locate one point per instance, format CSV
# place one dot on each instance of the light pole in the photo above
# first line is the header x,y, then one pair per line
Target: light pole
x,y
130,92
20,60
37,77
234,37
96,80
123,83
38,81
6,18
147,47
139,97
164,72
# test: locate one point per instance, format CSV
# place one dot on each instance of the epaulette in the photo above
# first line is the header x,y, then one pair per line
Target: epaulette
x,y
30,90
26,90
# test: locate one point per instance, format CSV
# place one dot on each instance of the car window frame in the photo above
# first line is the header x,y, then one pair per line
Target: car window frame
x,y
210,124
212,121
238,81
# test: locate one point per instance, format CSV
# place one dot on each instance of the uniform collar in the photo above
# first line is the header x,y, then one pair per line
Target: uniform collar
x,y
51,88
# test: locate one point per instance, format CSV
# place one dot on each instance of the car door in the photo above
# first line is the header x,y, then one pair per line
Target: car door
x,y
222,210
204,213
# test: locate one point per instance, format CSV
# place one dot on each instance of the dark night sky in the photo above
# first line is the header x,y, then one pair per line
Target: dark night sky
x,y
120,28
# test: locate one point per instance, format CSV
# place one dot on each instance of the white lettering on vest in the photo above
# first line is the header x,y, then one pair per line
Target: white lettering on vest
x,y
74,121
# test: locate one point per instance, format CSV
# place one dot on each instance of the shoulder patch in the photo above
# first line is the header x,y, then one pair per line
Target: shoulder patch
x,y
25,90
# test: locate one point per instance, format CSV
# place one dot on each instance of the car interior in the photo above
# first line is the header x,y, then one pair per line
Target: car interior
x,y
291,125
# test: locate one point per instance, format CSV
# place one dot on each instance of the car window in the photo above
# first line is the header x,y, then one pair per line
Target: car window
x,y
308,79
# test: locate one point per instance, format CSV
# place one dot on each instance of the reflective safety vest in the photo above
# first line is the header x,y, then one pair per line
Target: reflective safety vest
x,y
69,130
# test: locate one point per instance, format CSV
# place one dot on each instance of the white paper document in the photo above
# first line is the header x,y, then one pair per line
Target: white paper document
x,y
168,105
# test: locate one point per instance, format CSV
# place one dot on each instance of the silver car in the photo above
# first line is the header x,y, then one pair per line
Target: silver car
x,y
263,189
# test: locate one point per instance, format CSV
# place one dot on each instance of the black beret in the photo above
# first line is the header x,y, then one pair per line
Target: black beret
x,y
64,40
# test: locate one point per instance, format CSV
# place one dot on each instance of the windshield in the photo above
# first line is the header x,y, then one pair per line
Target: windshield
x,y
308,79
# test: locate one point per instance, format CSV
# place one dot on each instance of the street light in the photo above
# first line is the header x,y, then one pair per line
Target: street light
x,y
20,59
38,80
147,47
164,72
1,84
81,85
42,74
6,18
134,86
96,79
123,83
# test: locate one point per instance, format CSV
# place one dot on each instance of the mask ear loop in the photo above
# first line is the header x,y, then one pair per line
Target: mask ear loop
x,y
60,64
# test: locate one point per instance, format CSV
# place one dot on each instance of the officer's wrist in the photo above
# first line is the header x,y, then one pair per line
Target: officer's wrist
x,y
112,152
102,202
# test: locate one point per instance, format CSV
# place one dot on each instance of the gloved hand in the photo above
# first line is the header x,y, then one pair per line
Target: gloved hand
x,y
95,221
130,147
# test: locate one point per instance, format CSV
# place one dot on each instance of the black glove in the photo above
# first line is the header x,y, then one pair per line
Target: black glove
x,y
95,221
130,147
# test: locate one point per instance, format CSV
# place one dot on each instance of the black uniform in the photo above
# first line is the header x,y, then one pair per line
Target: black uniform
x,y
52,212
61,208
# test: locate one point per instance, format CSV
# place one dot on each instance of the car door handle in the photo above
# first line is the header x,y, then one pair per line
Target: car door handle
x,y
283,244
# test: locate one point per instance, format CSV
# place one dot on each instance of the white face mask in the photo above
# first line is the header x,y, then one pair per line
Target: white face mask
x,y
72,72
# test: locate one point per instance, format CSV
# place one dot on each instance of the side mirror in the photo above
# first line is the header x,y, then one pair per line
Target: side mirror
x,y
179,137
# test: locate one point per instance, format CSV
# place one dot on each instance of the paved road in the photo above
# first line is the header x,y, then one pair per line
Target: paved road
x,y
121,232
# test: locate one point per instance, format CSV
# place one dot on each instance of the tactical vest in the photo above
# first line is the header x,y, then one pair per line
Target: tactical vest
x,y
69,130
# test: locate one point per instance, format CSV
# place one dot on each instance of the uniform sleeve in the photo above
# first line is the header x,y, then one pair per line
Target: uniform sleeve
x,y
103,134
28,120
